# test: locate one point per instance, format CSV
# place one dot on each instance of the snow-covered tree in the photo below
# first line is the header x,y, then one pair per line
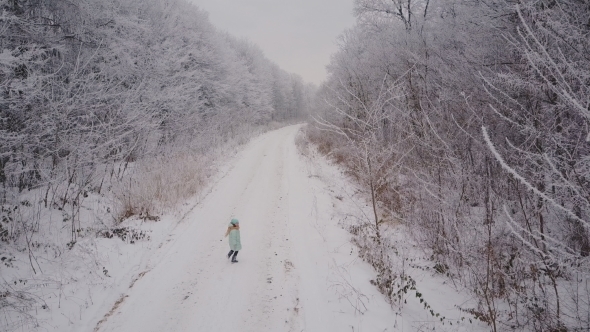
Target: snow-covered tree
x,y
491,119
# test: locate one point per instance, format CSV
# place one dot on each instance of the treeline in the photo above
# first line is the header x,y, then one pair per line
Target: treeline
x,y
96,93
468,121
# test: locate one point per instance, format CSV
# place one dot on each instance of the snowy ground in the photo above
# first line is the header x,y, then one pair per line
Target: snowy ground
x,y
287,278
297,271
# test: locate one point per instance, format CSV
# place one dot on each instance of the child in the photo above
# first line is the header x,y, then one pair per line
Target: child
x,y
233,230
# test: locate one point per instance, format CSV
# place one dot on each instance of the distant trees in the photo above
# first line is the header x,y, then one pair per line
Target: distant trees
x,y
91,87
491,117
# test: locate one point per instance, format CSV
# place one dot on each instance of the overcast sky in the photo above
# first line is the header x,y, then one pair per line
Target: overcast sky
x,y
298,35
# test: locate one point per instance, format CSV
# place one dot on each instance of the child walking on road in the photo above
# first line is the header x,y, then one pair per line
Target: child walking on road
x,y
235,245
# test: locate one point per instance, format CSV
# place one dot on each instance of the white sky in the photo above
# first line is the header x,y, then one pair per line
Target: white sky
x,y
298,35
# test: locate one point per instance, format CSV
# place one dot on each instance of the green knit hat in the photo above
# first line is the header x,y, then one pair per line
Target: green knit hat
x,y
234,221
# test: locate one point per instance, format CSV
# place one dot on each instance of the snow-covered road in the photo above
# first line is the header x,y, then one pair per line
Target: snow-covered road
x,y
297,270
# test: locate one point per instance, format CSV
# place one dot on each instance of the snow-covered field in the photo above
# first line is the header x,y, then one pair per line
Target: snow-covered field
x,y
298,270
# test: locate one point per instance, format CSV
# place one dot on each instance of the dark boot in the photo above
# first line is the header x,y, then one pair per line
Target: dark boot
x,y
233,259
229,254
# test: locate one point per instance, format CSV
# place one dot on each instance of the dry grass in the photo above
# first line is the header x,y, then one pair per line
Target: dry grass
x,y
159,184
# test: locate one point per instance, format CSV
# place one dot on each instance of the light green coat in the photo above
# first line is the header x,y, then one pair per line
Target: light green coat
x,y
235,243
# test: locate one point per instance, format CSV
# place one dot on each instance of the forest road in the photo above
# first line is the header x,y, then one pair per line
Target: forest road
x,y
281,280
